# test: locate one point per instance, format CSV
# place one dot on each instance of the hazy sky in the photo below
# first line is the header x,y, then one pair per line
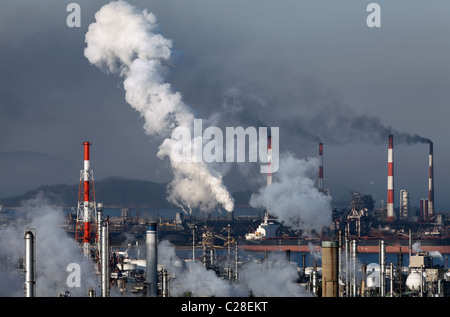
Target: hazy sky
x,y
314,68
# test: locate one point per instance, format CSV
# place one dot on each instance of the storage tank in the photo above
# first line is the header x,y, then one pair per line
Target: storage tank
x,y
414,281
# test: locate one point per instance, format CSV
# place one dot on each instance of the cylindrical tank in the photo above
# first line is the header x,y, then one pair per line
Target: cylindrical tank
x,y
329,269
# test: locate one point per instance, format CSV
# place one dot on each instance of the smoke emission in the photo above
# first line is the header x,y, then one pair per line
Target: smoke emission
x,y
306,110
125,41
293,198
274,277
417,247
55,250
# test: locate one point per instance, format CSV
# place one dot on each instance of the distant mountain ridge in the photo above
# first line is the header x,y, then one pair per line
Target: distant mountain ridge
x,y
114,192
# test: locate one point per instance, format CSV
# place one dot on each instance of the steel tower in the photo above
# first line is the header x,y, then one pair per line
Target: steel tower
x,y
86,226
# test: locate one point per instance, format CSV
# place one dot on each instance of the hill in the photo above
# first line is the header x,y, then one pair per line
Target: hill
x,y
112,192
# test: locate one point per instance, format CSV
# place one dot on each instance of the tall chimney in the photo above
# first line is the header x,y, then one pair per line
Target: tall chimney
x,y
330,269
430,184
390,184
151,261
87,229
320,179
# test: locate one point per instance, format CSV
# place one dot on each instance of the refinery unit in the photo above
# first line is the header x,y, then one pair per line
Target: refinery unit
x,y
338,273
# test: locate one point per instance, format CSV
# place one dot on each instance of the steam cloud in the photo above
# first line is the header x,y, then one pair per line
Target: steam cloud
x,y
124,41
272,278
292,196
417,247
55,250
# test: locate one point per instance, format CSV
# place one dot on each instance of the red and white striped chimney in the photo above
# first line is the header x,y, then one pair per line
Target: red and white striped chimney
x,y
87,230
269,160
320,179
390,184
430,184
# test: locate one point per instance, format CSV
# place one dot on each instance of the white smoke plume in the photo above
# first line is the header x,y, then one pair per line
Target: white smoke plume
x,y
417,247
125,41
315,252
55,250
273,277
293,198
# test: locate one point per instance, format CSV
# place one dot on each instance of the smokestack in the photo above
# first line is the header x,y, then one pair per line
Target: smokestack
x,y
86,211
269,160
151,261
330,269
87,229
30,261
390,184
320,179
430,184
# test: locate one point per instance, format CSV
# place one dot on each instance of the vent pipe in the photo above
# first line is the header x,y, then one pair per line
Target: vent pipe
x,y
30,263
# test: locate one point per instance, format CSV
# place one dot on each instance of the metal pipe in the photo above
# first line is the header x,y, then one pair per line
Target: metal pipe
x,y
165,283
151,261
410,245
354,256
30,261
236,262
105,259
314,281
391,279
193,243
347,267
382,261
99,228
363,279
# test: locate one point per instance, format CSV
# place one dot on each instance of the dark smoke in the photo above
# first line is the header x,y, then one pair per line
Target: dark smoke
x,y
314,117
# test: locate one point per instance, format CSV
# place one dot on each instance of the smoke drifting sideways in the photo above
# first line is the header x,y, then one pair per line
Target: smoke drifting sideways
x,y
125,41
293,198
417,247
55,250
306,110
271,278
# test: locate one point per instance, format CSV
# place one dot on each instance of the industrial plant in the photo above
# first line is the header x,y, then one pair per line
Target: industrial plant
x,y
221,246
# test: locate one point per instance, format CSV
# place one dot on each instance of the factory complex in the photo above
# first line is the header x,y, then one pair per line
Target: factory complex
x,y
217,245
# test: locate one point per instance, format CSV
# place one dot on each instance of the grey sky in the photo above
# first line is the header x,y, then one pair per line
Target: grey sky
x,y
287,63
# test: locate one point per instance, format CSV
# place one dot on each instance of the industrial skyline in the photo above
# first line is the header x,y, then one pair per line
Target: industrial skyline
x,y
315,70
340,104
